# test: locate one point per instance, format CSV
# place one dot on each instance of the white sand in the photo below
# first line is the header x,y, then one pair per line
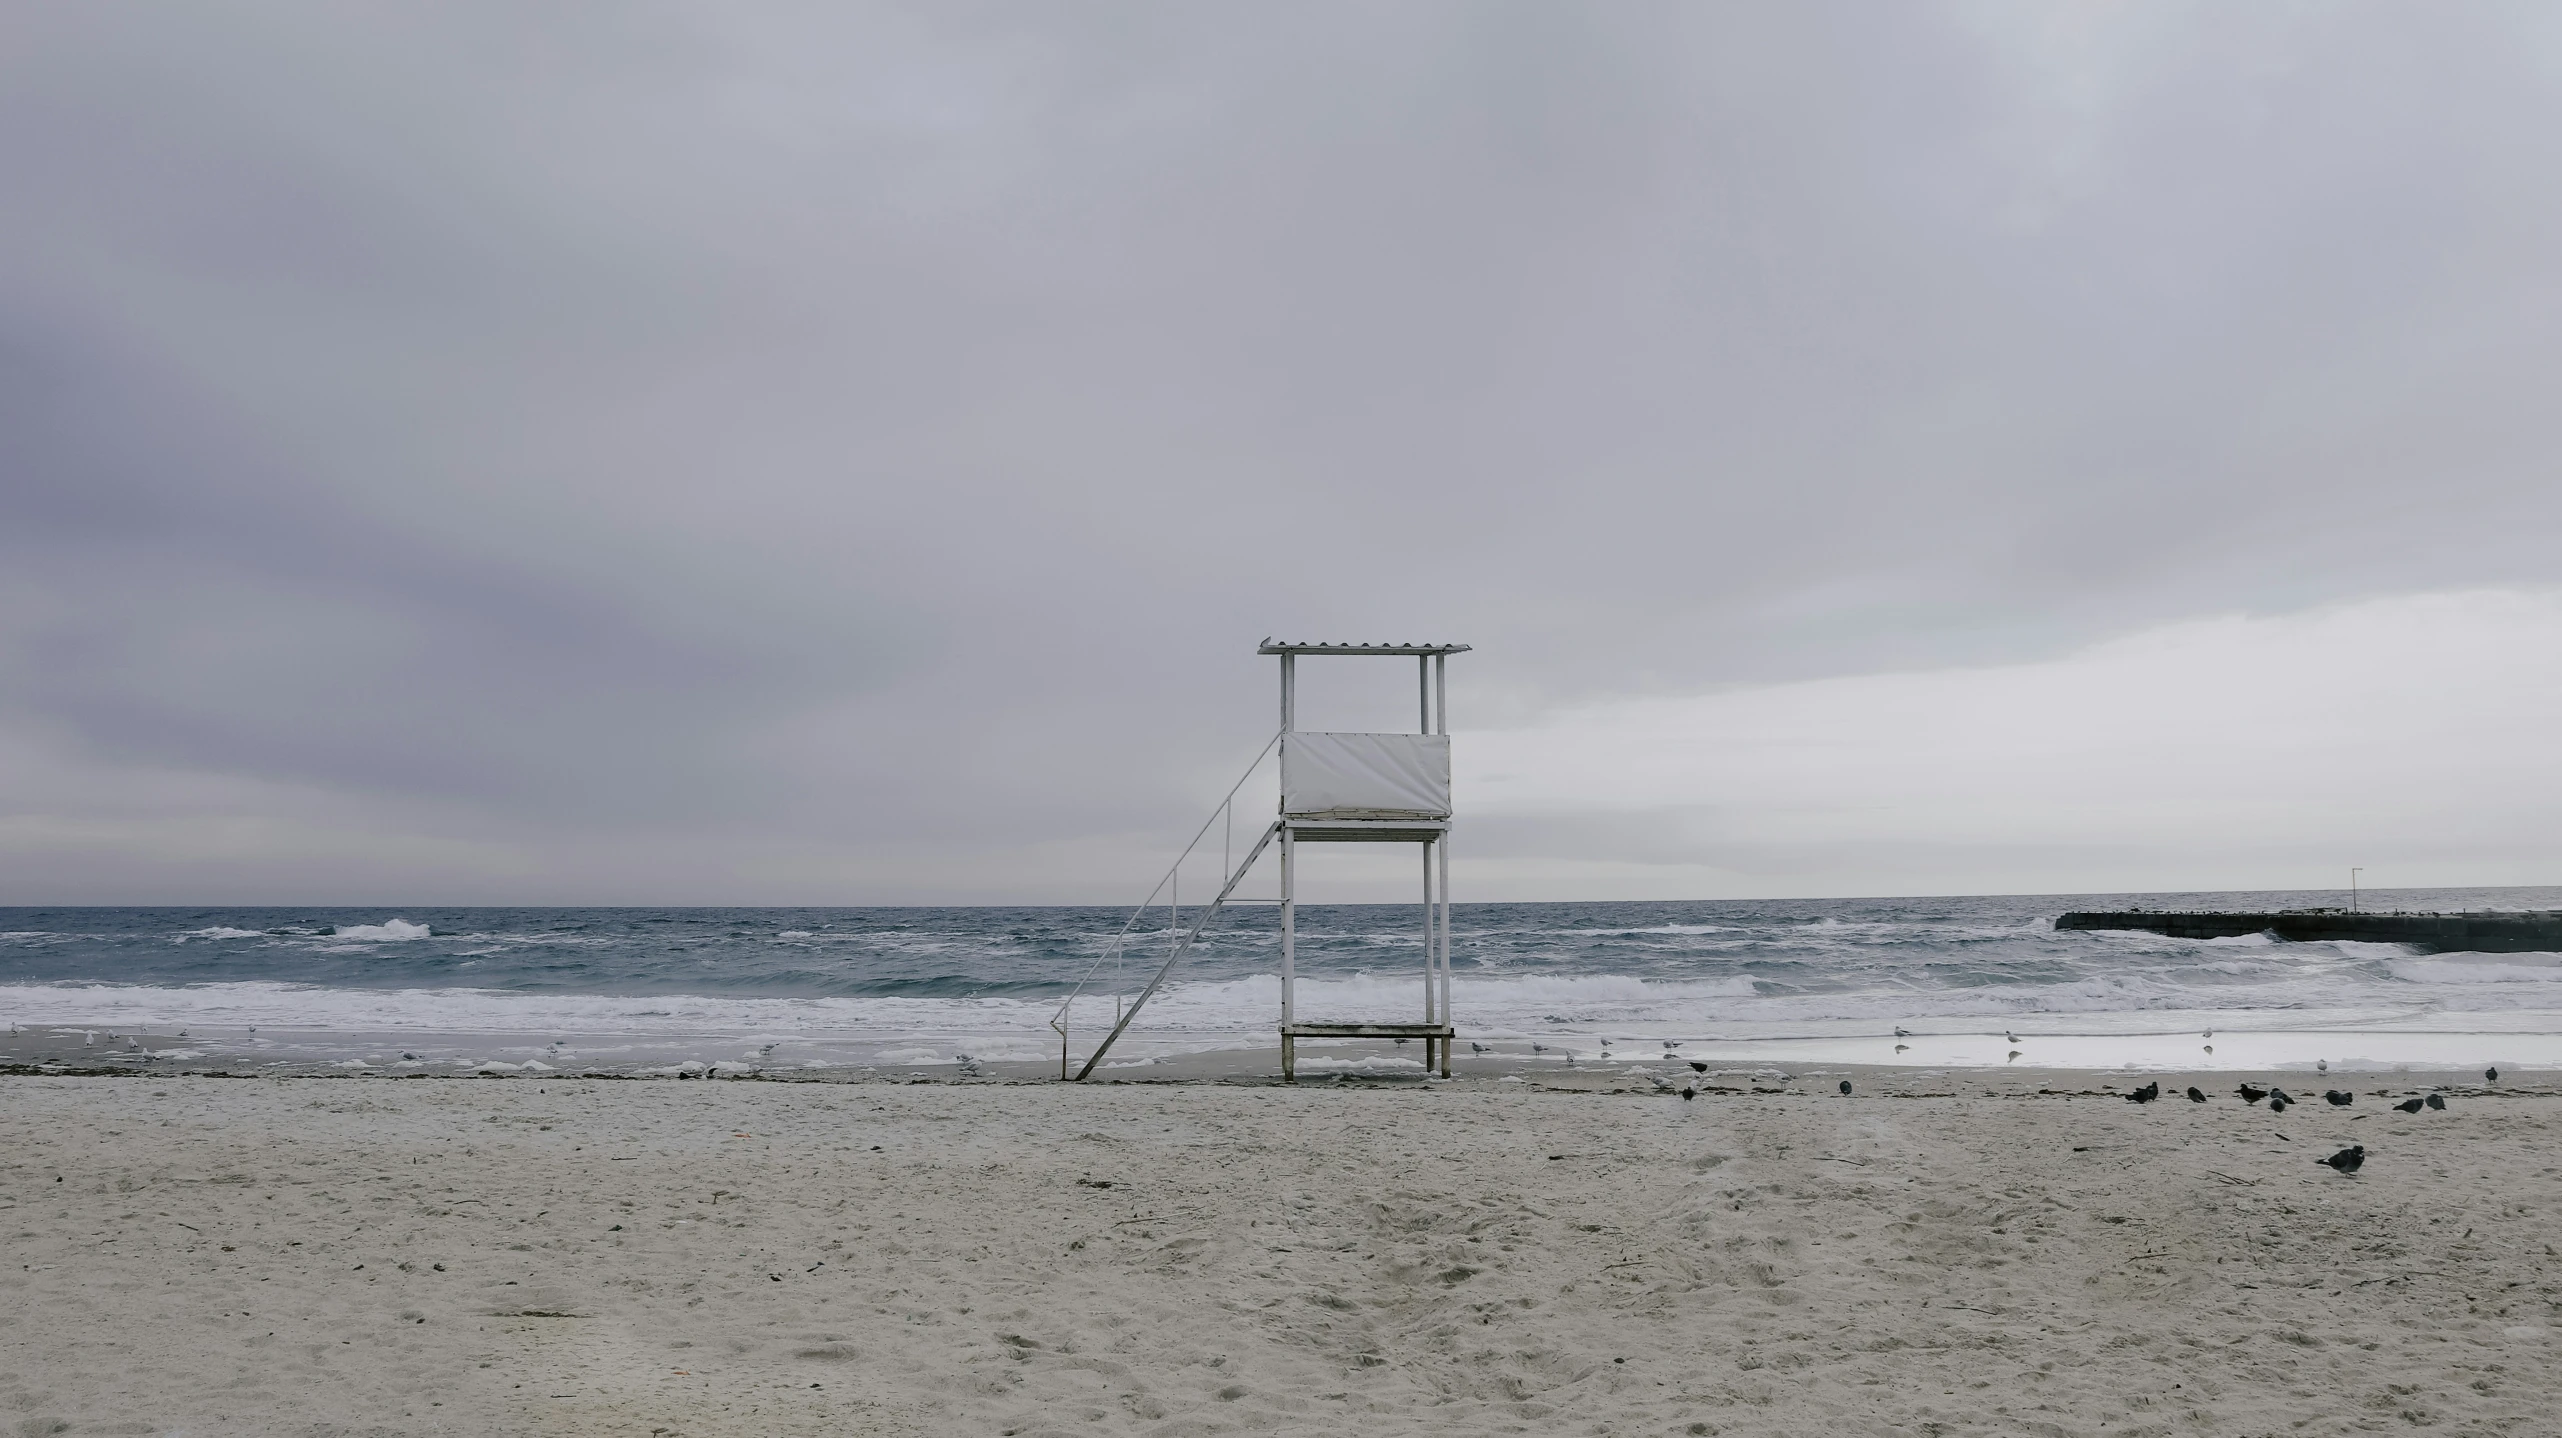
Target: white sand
x,y
1483,1257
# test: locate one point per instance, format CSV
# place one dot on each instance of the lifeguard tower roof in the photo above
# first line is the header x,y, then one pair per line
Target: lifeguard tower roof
x,y
1275,646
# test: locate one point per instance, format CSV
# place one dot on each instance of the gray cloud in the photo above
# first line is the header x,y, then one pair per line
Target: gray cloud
x,y
790,452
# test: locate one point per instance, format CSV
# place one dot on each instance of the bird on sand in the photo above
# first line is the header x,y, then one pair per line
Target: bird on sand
x,y
2210,1033
1671,1044
1538,1048
2280,1095
2491,1075
1475,1047
1688,1092
1845,1086
2337,1099
2347,1159
2146,1094
2196,1095
2009,1036
1699,1066
2278,1103
1903,1033
2321,1066
2250,1094
2409,1106
2438,1102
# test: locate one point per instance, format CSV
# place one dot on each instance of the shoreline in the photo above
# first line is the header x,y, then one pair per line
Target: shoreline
x,y
2296,1054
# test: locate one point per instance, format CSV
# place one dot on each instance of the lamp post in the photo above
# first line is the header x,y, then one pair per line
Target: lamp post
x,y
2353,873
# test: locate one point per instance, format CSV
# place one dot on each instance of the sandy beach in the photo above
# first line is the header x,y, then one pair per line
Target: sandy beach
x,y
1933,1254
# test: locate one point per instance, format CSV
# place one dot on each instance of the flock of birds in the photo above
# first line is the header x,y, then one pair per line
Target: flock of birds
x,y
2347,1160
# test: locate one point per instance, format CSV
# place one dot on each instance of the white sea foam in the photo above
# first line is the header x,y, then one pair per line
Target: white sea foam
x,y
388,931
219,932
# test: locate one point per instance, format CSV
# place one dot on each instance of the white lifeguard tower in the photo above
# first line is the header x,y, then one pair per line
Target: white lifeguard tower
x,y
1335,788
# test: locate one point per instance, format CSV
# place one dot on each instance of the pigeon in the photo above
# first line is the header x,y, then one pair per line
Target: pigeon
x,y
1689,1093
2336,1099
2279,1095
1845,1086
2146,1094
2250,1094
2277,1103
2437,1102
2347,1159
1699,1066
2491,1075
2196,1095
2409,1106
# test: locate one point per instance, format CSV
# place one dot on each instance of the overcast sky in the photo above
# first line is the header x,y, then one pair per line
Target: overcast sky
x,y
814,454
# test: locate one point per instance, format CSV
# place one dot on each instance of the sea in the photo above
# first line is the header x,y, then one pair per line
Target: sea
x,y
1926,982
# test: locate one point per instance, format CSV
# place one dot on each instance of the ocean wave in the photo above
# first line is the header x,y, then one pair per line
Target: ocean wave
x,y
389,931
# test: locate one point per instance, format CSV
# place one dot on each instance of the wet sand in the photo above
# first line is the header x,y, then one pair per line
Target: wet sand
x,y
1936,1253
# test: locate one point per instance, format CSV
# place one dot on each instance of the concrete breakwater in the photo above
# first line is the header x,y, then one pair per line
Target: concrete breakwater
x,y
2435,933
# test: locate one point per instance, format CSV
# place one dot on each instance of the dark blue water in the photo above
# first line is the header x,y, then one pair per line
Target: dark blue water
x,y
1799,967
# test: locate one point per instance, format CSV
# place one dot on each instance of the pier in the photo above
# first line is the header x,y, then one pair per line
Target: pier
x,y
2490,933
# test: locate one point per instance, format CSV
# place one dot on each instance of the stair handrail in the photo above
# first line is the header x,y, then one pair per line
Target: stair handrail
x,y
1111,954
1209,912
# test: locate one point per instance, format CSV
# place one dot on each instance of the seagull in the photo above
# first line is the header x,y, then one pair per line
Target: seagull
x,y
2250,1094
2007,1034
1475,1047
2196,1095
1845,1086
1903,1033
1538,1048
2210,1033
1671,1044
2336,1099
2347,1159
2409,1106
2321,1066
2437,1102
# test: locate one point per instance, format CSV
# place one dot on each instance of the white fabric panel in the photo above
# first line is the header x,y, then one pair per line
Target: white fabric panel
x,y
1365,776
